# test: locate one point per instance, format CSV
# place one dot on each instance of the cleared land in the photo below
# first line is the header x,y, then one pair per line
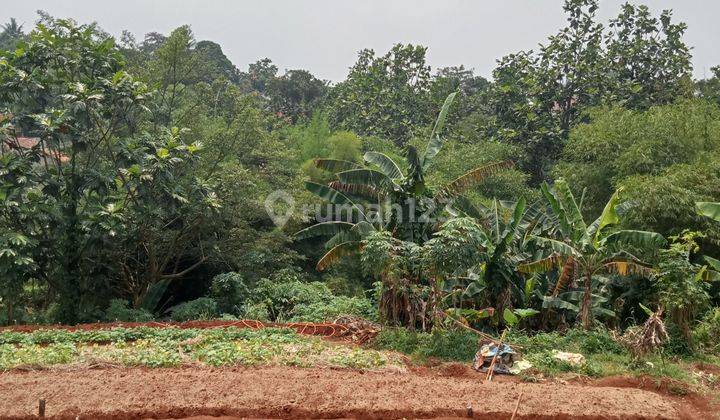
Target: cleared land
x,y
287,392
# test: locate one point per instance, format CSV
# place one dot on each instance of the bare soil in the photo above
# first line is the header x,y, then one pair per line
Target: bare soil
x,y
287,392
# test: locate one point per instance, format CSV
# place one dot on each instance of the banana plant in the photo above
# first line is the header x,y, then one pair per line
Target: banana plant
x,y
712,211
583,251
408,208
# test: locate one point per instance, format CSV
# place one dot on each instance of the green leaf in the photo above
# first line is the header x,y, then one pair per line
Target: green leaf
x,y
471,178
323,229
335,165
333,196
525,312
436,142
386,165
510,318
550,302
646,309
636,238
608,217
365,177
709,209
337,252
572,210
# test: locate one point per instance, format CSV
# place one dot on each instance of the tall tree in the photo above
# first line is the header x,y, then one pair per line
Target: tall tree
x,y
386,96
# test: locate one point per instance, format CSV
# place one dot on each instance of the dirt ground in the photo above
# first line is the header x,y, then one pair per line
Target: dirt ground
x,y
286,392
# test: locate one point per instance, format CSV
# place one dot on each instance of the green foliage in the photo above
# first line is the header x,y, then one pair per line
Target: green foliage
x,y
706,334
200,308
638,61
170,347
383,95
680,286
119,311
620,143
286,297
335,307
441,344
229,291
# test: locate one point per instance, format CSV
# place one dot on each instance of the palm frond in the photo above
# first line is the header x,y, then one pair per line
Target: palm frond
x,y
333,196
323,229
567,275
369,177
558,247
337,252
335,165
542,265
386,165
436,142
608,217
572,210
627,267
639,239
364,191
473,177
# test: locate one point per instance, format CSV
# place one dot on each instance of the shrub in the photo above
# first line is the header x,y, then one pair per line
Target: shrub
x,y
707,333
119,310
441,344
201,308
229,291
285,291
258,311
332,309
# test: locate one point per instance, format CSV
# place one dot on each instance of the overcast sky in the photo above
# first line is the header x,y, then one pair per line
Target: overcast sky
x,y
323,36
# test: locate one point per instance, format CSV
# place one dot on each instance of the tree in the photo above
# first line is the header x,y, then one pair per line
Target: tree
x,y
384,96
620,143
217,63
538,97
11,35
583,250
648,61
296,94
113,210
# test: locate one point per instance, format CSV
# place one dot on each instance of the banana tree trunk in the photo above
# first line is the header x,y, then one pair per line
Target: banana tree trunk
x,y
585,312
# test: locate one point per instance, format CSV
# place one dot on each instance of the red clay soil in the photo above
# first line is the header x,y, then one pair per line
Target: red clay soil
x,y
285,392
311,328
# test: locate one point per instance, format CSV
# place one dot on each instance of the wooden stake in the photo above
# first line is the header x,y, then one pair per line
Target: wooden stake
x,y
517,405
499,344
41,408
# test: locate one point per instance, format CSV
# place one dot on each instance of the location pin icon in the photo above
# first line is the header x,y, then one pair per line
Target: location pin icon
x,y
279,206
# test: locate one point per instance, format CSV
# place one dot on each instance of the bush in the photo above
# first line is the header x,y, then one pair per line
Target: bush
x,y
707,333
257,311
202,308
119,310
441,344
338,305
287,297
229,291
285,291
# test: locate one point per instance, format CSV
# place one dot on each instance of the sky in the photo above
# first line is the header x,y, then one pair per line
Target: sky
x,y
324,36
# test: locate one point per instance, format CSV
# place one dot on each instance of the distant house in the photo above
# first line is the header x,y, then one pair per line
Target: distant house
x,y
29,143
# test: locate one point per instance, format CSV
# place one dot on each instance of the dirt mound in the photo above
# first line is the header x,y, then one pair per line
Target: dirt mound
x,y
284,392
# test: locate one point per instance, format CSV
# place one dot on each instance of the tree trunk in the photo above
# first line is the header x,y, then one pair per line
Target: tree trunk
x,y
585,311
